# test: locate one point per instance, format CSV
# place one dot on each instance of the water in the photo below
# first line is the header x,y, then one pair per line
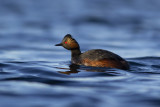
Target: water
x,y
35,73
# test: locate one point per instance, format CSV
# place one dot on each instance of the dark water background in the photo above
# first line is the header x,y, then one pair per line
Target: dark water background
x,y
35,73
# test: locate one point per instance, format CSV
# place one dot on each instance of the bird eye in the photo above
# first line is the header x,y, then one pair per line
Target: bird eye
x,y
65,42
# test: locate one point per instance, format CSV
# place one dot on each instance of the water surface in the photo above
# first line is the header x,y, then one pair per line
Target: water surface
x,y
35,73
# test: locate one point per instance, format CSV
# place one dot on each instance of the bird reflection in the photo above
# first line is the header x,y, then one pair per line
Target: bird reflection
x,y
73,69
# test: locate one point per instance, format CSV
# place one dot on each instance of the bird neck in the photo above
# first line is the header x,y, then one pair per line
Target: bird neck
x,y
76,52
75,55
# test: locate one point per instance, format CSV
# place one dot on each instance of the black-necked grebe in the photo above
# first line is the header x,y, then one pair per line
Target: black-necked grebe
x,y
95,57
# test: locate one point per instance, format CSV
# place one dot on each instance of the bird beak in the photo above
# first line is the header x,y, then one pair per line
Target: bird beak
x,y
60,44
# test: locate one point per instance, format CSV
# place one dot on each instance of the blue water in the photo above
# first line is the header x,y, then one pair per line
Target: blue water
x,y
35,73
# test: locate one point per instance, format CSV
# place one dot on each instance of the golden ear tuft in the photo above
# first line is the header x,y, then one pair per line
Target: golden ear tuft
x,y
72,43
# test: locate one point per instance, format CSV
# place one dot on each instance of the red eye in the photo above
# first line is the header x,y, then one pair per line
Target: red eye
x,y
65,42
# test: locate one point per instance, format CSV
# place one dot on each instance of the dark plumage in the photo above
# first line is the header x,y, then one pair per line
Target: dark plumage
x,y
95,57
